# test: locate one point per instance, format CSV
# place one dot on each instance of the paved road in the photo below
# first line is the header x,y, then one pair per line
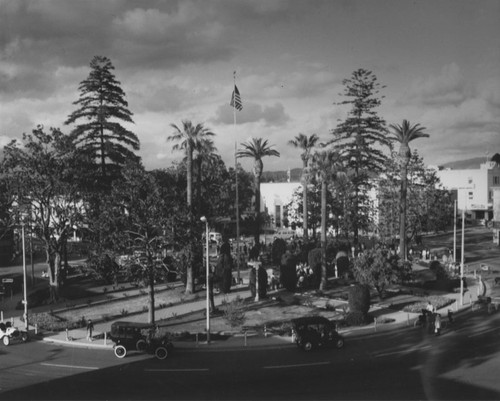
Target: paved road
x,y
405,364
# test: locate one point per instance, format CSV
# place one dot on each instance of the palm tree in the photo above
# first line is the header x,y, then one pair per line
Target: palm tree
x,y
188,137
306,144
257,148
328,168
205,150
404,134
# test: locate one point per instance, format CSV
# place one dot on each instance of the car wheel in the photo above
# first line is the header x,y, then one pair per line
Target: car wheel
x,y
307,346
339,343
120,351
141,345
6,340
161,353
24,337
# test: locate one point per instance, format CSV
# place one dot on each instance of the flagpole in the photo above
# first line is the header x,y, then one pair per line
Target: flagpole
x,y
237,197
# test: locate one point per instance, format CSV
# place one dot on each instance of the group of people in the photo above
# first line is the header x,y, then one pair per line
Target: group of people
x,y
432,319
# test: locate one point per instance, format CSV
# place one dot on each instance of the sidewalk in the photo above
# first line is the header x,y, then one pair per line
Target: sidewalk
x,y
250,339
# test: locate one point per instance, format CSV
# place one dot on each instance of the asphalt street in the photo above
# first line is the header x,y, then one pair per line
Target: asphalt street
x,y
462,364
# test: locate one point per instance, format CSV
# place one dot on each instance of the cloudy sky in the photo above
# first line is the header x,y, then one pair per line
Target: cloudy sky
x,y
439,60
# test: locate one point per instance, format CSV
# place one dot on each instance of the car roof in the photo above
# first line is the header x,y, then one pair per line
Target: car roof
x,y
310,320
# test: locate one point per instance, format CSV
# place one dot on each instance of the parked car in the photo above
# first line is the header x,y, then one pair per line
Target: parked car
x,y
141,337
9,333
315,331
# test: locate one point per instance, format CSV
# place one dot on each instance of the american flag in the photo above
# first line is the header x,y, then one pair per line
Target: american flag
x,y
236,99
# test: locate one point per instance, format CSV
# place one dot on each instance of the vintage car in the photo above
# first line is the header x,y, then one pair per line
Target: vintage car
x,y
315,331
141,337
9,333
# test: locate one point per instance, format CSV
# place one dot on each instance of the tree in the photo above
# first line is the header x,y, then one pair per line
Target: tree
x,y
188,137
429,206
404,134
256,149
101,109
306,144
205,155
140,203
378,268
41,176
327,168
360,140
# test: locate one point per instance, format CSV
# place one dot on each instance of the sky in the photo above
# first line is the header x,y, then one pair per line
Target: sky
x,y
438,60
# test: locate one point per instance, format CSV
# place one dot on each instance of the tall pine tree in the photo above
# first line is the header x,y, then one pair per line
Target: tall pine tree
x,y
99,134
360,140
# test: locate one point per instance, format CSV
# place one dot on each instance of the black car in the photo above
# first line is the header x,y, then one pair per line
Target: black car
x,y
315,331
140,337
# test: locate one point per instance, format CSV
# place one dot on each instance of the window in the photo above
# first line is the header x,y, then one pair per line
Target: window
x,y
496,180
471,195
490,195
470,180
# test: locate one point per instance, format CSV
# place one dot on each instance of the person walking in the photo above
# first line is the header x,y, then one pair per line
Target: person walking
x,y
437,324
90,329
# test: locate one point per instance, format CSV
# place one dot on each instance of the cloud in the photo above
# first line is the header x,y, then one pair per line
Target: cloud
x,y
270,115
446,88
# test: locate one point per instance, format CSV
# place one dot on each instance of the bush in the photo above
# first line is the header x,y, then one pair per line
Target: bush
x,y
358,319
288,271
436,300
439,270
47,321
314,259
359,298
234,313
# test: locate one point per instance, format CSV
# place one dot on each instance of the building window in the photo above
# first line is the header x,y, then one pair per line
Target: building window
x,y
490,196
471,195
470,180
496,180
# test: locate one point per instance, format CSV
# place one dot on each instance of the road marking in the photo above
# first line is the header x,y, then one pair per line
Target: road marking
x,y
482,332
405,351
177,370
297,365
69,366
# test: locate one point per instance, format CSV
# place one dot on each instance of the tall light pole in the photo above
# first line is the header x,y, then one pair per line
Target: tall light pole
x,y
25,300
462,260
204,220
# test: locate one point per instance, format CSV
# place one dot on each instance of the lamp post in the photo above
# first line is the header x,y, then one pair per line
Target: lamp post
x,y
25,300
204,220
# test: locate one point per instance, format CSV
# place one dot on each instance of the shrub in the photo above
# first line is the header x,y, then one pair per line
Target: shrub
x,y
50,322
436,300
358,319
359,298
234,313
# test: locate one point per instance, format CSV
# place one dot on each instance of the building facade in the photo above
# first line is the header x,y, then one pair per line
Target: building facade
x,y
275,197
474,188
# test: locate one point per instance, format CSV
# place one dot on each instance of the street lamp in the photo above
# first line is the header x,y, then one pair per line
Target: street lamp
x,y
204,220
25,300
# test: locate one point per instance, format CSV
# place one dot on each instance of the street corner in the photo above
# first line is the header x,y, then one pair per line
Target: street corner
x,y
73,341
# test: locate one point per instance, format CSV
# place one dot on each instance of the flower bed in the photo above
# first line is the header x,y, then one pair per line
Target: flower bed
x,y
437,301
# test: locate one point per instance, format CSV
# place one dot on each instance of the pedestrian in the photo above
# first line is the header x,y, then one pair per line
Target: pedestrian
x,y
90,329
437,324
450,316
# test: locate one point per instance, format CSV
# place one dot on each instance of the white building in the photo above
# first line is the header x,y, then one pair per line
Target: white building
x,y
474,188
275,196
